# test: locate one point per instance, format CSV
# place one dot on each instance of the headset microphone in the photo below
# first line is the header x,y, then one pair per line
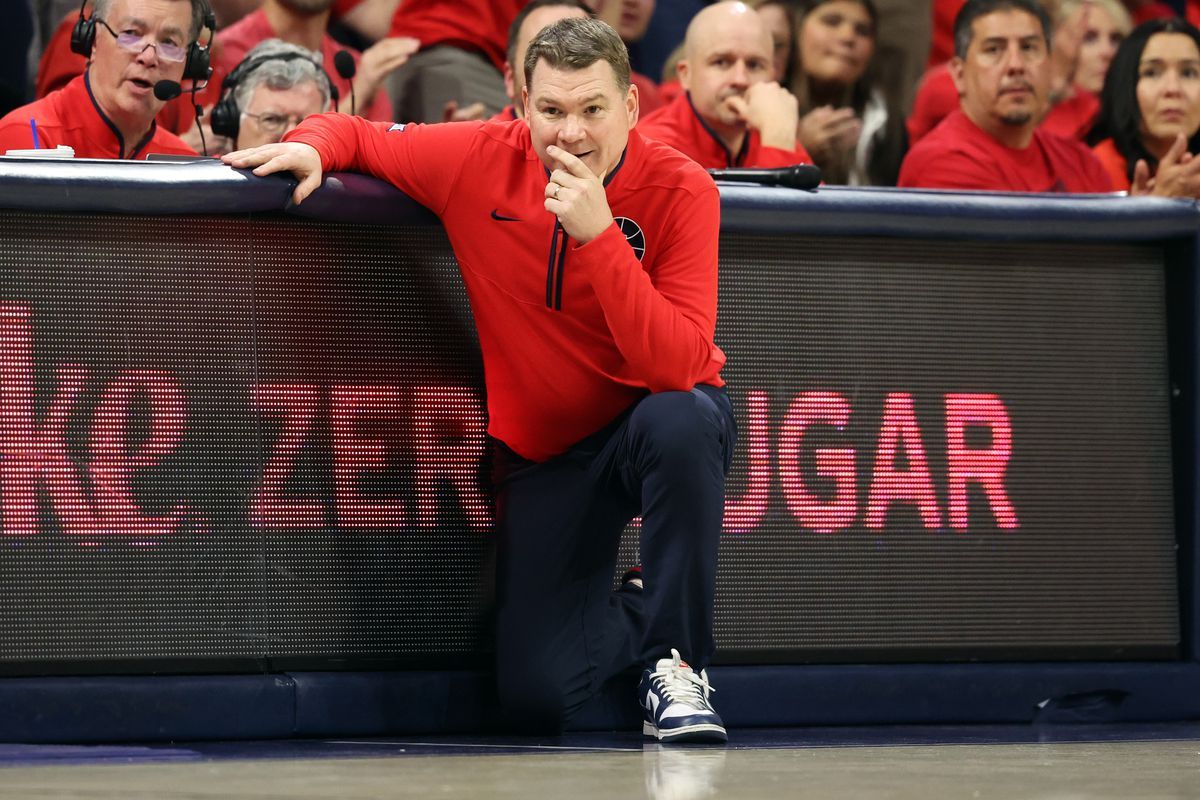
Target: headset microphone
x,y
343,62
167,90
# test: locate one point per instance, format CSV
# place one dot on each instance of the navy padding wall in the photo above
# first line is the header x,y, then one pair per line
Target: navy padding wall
x,y
278,704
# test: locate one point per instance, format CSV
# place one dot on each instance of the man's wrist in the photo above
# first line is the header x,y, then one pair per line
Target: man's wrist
x,y
782,137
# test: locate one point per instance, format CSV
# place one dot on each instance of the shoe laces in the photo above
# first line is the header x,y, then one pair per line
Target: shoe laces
x,y
680,682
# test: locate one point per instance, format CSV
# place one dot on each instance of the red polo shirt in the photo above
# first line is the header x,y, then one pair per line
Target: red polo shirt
x,y
958,154
72,117
479,25
680,125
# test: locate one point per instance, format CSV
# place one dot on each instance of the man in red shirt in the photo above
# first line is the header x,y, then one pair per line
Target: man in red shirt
x,y
732,114
993,142
533,17
109,110
589,256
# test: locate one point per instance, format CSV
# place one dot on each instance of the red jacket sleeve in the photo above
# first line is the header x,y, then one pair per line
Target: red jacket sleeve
x,y
423,161
663,320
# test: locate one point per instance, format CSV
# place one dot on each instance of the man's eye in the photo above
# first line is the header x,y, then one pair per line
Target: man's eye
x,y
594,109
272,120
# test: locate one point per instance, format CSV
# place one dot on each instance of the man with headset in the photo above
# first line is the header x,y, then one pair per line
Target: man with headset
x,y
274,87
108,112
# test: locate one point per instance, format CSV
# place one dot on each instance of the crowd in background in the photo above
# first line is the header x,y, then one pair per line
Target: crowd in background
x,y
857,85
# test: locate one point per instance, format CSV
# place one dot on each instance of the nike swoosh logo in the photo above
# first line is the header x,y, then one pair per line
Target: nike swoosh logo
x,y
496,215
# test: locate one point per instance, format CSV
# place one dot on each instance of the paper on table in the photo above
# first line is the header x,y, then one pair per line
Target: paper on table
x,y
62,151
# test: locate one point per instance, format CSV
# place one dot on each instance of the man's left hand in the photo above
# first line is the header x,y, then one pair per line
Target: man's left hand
x,y
772,111
576,196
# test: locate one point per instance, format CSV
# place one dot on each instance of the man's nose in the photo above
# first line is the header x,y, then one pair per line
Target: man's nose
x,y
571,130
740,76
1015,61
149,55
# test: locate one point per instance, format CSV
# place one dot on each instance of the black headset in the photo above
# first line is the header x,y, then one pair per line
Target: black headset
x,y
225,117
195,68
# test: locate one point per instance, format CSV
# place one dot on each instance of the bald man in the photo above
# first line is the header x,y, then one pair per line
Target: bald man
x,y
732,113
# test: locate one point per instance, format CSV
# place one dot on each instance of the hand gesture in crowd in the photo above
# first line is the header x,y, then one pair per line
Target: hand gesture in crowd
x,y
771,110
452,113
1178,174
576,196
302,160
826,132
378,61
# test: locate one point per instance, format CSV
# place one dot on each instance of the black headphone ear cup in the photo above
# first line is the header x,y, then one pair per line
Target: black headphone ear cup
x,y
197,67
225,117
83,36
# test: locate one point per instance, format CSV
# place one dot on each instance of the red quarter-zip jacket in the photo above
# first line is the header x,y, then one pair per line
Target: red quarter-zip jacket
x,y
571,334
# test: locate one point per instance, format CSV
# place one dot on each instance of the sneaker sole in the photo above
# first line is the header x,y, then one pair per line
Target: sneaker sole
x,y
691,733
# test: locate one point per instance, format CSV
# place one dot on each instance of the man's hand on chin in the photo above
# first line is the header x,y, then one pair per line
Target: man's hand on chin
x,y
576,196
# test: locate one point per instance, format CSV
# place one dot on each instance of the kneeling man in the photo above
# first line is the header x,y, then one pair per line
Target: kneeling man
x,y
589,256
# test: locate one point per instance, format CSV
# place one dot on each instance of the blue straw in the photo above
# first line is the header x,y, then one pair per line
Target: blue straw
x,y
33,127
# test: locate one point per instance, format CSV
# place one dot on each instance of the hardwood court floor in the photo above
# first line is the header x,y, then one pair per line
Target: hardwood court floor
x,y
979,763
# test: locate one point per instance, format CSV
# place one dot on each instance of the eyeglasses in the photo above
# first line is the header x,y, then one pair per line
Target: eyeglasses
x,y
133,42
274,123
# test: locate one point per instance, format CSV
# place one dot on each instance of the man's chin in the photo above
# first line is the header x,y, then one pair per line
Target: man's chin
x,y
1017,119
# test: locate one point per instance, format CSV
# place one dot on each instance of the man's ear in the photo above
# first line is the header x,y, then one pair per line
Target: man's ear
x,y
631,104
683,71
525,100
956,72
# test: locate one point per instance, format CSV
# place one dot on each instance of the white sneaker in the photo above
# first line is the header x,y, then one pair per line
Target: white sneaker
x,y
675,704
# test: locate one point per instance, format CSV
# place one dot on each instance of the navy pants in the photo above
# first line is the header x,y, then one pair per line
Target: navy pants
x,y
561,630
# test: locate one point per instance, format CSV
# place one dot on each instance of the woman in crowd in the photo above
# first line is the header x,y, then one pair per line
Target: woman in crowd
x,y
1146,133
845,123
1107,23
